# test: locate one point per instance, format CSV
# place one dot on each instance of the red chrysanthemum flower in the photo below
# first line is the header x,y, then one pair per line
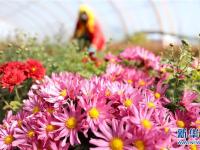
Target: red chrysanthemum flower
x,y
11,74
11,78
35,69
6,67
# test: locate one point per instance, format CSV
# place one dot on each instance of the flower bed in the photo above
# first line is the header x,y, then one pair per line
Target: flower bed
x,y
125,108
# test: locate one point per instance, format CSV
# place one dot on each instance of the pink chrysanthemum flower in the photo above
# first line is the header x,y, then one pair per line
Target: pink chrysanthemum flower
x,y
114,88
112,58
142,55
114,72
9,118
97,111
58,88
112,136
160,89
49,108
196,123
133,76
88,88
129,75
149,100
45,128
188,98
194,111
143,80
117,89
127,101
38,104
6,135
165,121
167,130
70,81
150,104
142,116
53,92
19,117
141,140
69,122
26,135
182,119
188,101
96,85
137,78
33,105
100,87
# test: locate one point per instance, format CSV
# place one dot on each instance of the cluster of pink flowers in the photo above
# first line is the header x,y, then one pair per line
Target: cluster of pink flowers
x,y
123,109
141,54
137,54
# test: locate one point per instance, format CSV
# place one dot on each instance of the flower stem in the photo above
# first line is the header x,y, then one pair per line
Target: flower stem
x,y
17,94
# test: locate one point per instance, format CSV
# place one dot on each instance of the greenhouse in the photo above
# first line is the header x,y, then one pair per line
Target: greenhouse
x,y
47,18
99,75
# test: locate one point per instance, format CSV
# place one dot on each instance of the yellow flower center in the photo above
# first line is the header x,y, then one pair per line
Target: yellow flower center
x,y
63,93
163,149
107,93
157,95
142,82
163,70
197,122
113,78
166,129
128,102
36,109
116,144
50,128
71,123
139,144
31,134
50,110
94,113
8,139
151,105
4,126
33,69
146,124
19,123
193,147
129,81
180,124
112,60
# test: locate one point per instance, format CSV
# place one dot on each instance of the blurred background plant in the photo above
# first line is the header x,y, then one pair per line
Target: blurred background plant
x,y
138,38
55,56
184,72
